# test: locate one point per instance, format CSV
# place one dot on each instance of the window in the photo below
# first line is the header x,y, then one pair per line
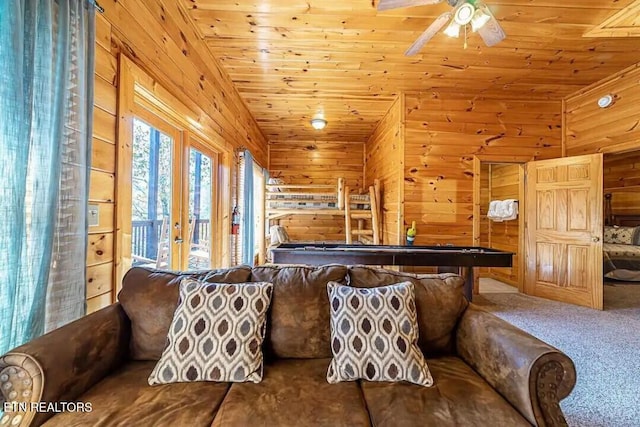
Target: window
x,y
249,243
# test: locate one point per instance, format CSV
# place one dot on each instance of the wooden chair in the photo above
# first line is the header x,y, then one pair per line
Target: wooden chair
x,y
164,249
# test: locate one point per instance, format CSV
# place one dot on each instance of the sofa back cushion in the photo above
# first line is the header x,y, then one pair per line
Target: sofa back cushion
x,y
439,301
298,326
149,297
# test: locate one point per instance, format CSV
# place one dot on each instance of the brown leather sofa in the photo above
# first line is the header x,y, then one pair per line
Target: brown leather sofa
x,y
486,371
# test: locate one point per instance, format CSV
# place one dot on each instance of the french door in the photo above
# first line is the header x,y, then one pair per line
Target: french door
x,y
173,181
202,212
173,211
157,227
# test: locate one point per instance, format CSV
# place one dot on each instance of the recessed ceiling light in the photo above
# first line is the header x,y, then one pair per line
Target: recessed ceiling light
x,y
605,101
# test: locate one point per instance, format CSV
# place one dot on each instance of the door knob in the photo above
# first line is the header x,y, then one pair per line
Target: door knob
x,y
178,240
595,239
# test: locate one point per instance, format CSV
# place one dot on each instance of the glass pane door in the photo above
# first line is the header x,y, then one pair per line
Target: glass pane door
x,y
152,207
201,208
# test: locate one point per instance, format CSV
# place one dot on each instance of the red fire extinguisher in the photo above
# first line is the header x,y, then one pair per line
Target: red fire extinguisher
x,y
235,221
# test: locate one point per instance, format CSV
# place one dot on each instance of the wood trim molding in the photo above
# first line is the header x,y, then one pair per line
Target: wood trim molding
x,y
492,158
606,81
621,24
564,128
522,206
123,173
477,187
477,165
401,153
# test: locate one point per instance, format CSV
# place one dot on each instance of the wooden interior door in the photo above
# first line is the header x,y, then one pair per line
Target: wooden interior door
x,y
564,230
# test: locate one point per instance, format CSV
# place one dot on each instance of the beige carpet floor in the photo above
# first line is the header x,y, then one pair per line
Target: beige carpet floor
x,y
623,299
604,345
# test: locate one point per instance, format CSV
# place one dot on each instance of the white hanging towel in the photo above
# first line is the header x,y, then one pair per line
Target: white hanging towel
x,y
503,210
494,211
508,209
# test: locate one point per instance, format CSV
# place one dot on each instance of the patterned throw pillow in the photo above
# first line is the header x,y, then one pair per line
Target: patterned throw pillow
x,y
374,335
216,333
622,235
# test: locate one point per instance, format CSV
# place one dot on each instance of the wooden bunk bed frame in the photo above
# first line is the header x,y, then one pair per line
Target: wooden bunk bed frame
x,y
328,199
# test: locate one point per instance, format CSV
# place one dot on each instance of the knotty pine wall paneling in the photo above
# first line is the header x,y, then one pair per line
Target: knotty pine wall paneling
x,y
590,129
441,137
316,162
100,286
384,158
622,179
159,37
485,198
505,184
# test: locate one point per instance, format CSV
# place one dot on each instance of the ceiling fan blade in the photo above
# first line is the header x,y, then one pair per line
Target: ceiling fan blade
x,y
428,34
396,4
491,32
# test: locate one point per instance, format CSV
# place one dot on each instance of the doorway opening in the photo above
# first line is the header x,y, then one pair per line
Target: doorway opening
x,y
494,181
563,203
621,234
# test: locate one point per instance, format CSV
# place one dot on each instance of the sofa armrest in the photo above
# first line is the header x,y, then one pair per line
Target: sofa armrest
x,y
532,375
63,364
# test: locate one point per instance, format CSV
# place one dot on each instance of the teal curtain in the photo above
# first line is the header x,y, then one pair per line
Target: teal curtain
x,y
248,212
46,98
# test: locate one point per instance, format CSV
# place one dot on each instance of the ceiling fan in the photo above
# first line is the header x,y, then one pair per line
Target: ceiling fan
x,y
464,12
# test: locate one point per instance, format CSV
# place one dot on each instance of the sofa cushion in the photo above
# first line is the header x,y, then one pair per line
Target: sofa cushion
x,y
124,398
298,326
460,397
294,392
439,301
149,297
374,335
216,333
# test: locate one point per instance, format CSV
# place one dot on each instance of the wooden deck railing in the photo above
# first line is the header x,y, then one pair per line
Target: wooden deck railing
x,y
145,235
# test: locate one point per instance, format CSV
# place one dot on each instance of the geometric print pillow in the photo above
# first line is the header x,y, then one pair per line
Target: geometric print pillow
x,y
216,334
622,235
374,335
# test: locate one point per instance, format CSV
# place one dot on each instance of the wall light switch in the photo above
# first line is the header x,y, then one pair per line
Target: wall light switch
x,y
94,215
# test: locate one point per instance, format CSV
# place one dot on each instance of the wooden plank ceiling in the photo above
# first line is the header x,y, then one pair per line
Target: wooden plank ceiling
x,y
291,59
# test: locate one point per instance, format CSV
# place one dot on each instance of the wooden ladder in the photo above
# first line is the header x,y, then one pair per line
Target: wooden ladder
x,y
372,215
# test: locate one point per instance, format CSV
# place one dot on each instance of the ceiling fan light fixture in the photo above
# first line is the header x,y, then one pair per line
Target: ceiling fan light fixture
x,y
464,13
318,123
453,30
479,20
